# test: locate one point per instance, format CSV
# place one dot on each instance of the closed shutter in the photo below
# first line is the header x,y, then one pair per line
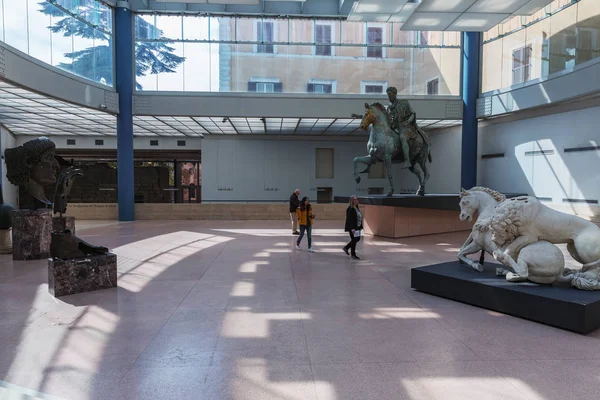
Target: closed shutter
x,y
310,88
252,86
278,87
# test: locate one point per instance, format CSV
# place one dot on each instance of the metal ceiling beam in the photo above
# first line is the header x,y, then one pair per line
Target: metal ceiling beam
x,y
297,125
264,121
329,126
201,126
308,8
232,125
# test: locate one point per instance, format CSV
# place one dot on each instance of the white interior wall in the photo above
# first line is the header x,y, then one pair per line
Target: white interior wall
x,y
252,166
557,176
10,192
445,167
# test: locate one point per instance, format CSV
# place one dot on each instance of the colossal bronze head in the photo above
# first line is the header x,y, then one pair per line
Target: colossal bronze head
x,y
33,166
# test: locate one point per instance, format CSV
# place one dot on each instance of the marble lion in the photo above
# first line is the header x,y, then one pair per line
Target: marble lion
x,y
521,221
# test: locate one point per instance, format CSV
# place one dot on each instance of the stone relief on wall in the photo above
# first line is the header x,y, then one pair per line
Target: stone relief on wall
x,y
521,233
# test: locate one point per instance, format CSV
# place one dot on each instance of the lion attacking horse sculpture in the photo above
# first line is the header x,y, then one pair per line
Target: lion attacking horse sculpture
x,y
384,146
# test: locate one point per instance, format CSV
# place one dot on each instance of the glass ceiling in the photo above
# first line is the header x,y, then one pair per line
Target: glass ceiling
x,y
28,113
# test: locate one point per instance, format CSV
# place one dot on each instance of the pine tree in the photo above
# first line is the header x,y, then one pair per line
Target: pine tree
x,y
96,63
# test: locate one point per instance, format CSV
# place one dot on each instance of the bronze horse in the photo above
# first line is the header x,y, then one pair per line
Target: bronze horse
x,y
384,146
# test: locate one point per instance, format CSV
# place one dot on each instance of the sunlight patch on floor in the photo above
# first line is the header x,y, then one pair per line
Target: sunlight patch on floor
x,y
460,387
8,391
250,325
398,313
254,379
242,289
252,266
280,232
409,250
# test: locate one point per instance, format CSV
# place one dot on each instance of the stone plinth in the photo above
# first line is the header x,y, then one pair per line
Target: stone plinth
x,y
80,275
5,241
400,222
31,234
558,305
59,224
407,215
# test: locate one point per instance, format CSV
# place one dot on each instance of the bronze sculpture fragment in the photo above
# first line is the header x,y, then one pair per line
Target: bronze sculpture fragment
x,y
32,166
65,245
64,185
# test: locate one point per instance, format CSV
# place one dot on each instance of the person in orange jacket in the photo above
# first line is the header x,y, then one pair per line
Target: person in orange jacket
x,y
305,220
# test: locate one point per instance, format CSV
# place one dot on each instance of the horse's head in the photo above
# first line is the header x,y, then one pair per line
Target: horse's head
x,y
374,113
469,204
368,118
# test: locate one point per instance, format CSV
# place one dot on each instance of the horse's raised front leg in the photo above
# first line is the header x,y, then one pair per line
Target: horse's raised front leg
x,y
367,160
388,168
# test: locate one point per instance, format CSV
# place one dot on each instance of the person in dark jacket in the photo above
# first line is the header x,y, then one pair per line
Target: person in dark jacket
x,y
354,220
294,204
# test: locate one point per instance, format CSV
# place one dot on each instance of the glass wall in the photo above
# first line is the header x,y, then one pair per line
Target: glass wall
x,y
74,35
566,34
234,54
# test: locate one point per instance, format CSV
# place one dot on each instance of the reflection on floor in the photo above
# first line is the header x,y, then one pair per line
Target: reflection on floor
x,y
230,310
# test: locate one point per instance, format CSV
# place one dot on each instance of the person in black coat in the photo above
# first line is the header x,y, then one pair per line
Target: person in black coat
x,y
353,226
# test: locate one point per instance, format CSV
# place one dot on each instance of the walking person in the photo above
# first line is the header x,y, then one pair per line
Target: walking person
x,y
294,203
305,220
353,226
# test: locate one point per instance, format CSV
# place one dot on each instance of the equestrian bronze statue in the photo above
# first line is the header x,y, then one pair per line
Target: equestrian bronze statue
x,y
394,138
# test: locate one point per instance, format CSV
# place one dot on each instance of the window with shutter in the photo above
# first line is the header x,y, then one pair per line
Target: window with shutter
x,y
521,65
373,89
323,35
264,33
320,86
433,86
374,36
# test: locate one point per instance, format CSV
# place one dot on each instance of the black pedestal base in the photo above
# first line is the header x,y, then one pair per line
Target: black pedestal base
x,y
80,275
561,306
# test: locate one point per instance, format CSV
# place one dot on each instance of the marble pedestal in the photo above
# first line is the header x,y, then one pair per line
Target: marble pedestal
x,y
5,241
407,215
31,234
556,305
80,275
59,224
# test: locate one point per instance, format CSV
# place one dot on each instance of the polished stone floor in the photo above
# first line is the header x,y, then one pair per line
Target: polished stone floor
x,y
231,310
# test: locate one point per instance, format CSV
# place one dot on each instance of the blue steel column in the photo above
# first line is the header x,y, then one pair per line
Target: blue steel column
x,y
471,51
124,85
